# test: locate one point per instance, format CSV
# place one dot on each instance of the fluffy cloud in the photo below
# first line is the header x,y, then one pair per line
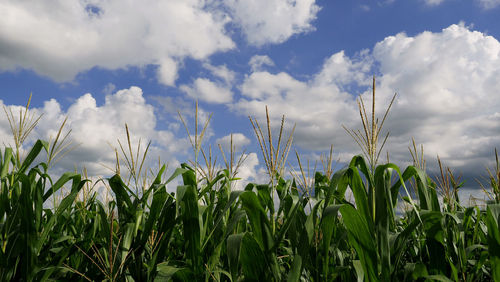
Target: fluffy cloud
x,y
272,21
60,39
217,91
258,61
222,72
249,172
448,97
208,91
239,142
96,129
5,132
447,83
318,107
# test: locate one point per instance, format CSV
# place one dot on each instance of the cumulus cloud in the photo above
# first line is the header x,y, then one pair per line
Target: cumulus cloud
x,y
208,91
60,39
5,132
96,129
258,61
222,72
489,4
249,172
239,141
272,21
447,83
341,70
318,107
216,90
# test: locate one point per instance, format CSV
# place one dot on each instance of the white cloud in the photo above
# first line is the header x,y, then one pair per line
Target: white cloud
x,y
273,21
222,72
60,39
95,126
448,99
433,2
318,106
217,90
258,61
239,142
447,83
249,172
489,4
342,70
109,88
5,131
208,91
167,71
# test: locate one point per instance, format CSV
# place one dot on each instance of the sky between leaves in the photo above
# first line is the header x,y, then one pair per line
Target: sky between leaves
x,y
107,63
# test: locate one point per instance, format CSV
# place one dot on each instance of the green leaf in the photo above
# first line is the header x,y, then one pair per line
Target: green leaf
x,y
252,259
358,267
35,150
360,163
327,226
167,272
419,271
154,186
4,165
188,176
124,204
177,172
159,199
296,271
166,225
384,216
191,225
439,277
493,223
59,184
338,185
65,204
360,197
400,242
424,192
362,240
289,218
232,198
257,216
233,253
234,218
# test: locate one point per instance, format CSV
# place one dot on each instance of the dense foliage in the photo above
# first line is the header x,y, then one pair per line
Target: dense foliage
x,y
206,231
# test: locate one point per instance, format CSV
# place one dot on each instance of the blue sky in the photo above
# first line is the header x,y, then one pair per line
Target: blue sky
x,y
106,63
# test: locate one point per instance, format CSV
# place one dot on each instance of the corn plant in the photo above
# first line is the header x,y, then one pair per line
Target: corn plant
x,y
29,232
208,231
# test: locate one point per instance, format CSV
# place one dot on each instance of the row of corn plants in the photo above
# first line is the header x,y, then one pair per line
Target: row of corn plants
x,y
341,225
206,232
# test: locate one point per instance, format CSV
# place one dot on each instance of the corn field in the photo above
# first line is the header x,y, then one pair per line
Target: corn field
x,y
288,229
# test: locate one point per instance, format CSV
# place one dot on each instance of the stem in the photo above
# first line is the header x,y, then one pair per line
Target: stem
x,y
273,224
373,136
